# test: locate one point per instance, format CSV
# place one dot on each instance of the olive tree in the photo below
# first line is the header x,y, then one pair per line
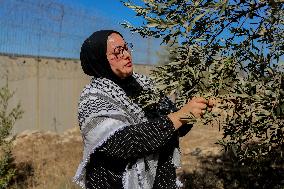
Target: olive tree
x,y
230,50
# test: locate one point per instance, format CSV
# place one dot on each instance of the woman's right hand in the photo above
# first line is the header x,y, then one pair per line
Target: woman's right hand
x,y
196,106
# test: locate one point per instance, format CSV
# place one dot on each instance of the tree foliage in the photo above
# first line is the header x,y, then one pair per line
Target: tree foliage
x,y
8,117
227,49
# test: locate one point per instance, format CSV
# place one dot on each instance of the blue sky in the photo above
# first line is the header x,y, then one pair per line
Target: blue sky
x,y
114,8
116,12
57,28
109,8
27,29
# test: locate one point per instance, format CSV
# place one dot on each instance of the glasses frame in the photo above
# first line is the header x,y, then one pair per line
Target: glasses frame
x,y
121,49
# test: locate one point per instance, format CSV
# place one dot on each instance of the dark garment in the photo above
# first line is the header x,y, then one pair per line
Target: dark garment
x,y
107,164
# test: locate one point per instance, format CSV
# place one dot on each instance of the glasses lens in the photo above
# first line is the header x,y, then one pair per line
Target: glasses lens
x,y
119,51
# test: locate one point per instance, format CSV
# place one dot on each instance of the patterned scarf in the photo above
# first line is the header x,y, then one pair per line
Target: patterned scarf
x,y
104,109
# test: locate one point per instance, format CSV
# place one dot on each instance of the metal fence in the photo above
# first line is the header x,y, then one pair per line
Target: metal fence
x,y
54,29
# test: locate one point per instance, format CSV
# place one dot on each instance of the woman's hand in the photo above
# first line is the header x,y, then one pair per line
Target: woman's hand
x,y
196,106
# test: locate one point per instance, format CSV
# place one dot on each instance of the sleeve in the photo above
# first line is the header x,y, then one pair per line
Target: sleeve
x,y
139,140
184,129
164,107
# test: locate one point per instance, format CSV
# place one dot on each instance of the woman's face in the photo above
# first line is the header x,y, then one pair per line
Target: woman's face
x,y
119,56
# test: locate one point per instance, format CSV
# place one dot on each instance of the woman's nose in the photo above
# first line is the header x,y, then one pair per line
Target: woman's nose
x,y
126,54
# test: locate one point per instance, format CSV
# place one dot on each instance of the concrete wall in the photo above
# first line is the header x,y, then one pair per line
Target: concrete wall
x,y
48,90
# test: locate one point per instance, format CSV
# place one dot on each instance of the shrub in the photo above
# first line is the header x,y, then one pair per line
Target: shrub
x,y
7,121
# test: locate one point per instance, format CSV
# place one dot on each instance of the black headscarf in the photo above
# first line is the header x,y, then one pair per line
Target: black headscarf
x,y
94,62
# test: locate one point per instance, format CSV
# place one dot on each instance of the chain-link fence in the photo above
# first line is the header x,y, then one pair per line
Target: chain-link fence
x,y
48,88
54,29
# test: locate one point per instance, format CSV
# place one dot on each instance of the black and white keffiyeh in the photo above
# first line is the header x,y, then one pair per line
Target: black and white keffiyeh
x,y
104,109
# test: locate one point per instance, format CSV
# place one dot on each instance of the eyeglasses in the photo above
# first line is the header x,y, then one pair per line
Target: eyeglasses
x,y
118,52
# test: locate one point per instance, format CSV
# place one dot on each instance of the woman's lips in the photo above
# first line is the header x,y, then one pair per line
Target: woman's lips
x,y
129,64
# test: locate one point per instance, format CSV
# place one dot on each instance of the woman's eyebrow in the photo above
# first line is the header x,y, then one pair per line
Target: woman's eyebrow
x,y
118,46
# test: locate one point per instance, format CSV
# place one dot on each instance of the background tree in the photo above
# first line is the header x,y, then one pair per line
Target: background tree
x,y
228,49
8,117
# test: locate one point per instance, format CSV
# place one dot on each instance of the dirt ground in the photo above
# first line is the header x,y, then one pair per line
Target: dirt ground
x,y
49,160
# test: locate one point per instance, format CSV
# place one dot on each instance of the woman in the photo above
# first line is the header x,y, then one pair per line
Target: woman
x,y
125,145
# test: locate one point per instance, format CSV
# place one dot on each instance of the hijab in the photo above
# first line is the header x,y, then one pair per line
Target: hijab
x,y
94,62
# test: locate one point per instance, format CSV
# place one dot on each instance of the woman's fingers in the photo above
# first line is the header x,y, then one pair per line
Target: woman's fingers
x,y
201,105
198,106
211,103
200,100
